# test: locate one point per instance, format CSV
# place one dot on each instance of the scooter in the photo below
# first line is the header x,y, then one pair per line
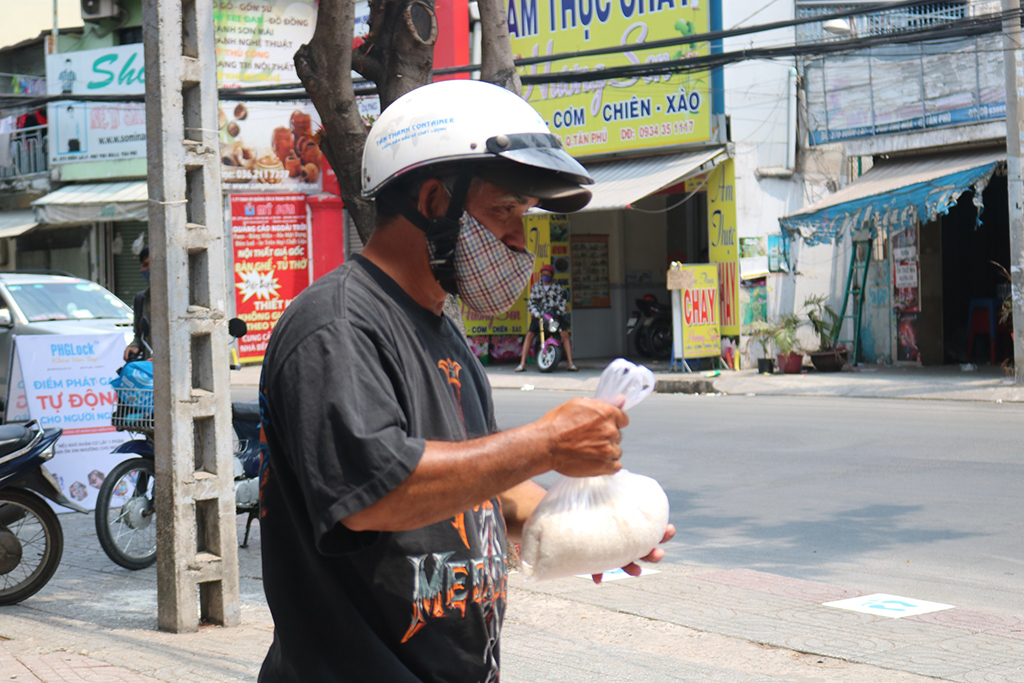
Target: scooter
x,y
31,538
650,326
125,509
550,353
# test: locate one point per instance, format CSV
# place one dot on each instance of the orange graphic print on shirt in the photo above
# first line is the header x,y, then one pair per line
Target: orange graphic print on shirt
x,y
451,369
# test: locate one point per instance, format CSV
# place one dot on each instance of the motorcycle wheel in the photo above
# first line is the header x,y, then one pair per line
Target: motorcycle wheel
x,y
31,545
641,341
659,337
126,516
549,357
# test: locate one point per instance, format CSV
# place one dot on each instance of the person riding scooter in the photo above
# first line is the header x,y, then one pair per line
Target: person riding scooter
x,y
547,296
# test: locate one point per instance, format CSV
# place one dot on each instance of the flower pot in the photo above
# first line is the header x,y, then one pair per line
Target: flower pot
x,y
829,361
790,363
766,366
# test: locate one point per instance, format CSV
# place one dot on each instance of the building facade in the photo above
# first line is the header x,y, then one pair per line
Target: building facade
x,y
909,143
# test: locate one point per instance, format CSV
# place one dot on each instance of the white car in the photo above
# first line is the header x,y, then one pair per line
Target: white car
x,y
54,304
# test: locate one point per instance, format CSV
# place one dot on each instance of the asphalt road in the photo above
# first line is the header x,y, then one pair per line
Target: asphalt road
x,y
912,498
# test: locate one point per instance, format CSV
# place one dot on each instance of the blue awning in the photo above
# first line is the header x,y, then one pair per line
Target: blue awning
x,y
896,194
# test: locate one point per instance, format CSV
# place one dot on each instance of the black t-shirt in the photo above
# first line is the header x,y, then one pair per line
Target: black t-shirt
x,y
356,378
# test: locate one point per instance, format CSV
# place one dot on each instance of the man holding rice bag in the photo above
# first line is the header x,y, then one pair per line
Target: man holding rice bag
x,y
389,494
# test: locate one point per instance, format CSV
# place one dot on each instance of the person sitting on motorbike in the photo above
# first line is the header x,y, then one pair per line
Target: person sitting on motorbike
x,y
139,349
547,296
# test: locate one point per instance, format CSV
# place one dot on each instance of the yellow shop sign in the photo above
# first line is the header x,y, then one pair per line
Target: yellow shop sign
x,y
610,115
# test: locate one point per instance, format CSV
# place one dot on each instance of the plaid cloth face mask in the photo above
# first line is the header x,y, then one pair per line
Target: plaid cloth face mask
x,y
489,275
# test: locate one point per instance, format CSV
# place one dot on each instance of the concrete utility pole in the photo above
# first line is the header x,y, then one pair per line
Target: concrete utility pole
x,y
1012,36
197,543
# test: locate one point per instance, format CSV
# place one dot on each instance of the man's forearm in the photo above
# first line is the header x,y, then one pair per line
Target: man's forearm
x,y
453,477
579,438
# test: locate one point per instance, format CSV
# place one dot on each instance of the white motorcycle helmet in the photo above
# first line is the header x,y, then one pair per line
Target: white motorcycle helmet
x,y
497,131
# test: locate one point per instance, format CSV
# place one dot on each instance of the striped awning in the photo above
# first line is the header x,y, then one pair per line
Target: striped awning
x,y
95,202
14,223
620,183
896,194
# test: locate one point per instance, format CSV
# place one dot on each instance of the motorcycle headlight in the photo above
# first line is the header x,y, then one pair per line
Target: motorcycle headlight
x,y
552,325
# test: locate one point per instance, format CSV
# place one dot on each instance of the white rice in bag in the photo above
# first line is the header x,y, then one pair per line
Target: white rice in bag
x,y
589,525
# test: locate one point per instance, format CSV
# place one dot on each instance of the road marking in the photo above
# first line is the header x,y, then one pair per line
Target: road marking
x,y
884,605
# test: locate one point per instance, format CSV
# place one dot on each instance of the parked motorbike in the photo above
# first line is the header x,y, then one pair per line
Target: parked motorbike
x,y
125,510
650,328
31,538
549,351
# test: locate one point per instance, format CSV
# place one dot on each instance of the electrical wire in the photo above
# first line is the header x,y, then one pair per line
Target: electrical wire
x,y
984,24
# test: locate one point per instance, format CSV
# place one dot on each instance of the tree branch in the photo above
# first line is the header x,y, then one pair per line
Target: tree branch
x,y
325,68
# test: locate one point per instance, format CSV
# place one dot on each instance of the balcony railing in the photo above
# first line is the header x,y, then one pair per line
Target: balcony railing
x,y
24,153
877,23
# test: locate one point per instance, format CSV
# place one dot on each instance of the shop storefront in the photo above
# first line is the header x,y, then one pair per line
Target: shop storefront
x,y
664,186
940,232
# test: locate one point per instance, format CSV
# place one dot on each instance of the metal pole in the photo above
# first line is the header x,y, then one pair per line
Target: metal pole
x,y
1015,173
54,32
197,544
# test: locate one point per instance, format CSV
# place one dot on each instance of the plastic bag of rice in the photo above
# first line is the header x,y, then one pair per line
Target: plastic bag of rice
x,y
589,525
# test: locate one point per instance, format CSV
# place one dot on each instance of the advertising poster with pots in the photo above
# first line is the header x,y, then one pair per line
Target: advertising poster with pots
x,y
270,236
66,384
269,146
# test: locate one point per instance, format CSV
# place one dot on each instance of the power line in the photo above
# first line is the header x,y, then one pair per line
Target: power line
x,y
973,26
960,29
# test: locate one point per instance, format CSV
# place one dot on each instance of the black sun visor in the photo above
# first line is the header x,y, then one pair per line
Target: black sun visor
x,y
535,165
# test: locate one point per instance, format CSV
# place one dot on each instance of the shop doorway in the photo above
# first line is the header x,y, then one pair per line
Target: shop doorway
x,y
972,286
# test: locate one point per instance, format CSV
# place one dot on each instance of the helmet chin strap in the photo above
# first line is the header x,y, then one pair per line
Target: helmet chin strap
x,y
442,232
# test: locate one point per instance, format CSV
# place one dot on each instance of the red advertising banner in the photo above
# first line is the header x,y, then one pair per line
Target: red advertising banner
x,y
271,239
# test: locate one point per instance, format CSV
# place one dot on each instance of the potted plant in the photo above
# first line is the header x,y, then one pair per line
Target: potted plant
x,y
825,321
790,356
763,332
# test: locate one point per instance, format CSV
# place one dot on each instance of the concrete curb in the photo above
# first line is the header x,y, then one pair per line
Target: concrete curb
x,y
697,385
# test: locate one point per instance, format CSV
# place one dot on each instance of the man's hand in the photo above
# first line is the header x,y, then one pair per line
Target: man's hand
x,y
656,555
584,437
130,353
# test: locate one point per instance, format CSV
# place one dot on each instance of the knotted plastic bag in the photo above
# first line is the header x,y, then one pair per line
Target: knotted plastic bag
x,y
589,525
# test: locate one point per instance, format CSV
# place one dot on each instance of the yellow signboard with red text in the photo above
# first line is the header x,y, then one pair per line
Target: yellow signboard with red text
x,y
698,292
610,115
723,242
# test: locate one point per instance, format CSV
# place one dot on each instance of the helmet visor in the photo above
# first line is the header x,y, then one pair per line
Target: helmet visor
x,y
535,165
543,151
554,191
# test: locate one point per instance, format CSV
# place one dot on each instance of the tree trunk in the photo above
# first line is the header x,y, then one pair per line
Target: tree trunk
x,y
325,68
496,65
398,53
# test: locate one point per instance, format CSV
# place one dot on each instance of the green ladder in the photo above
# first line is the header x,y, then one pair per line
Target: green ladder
x,y
855,289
